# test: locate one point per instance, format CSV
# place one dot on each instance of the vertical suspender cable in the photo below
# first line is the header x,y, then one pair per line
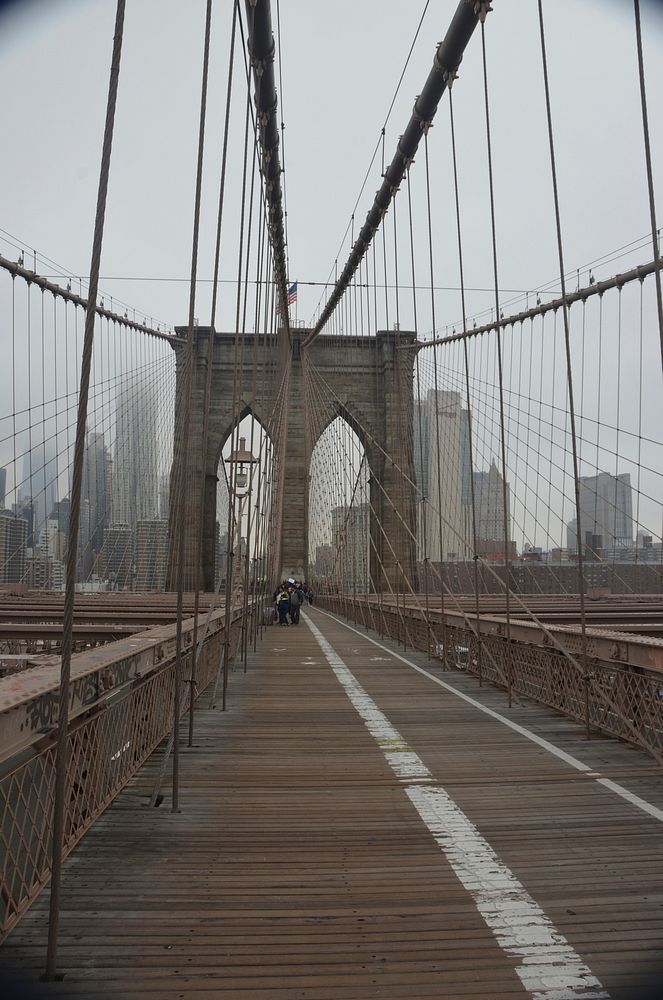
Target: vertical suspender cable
x,y
650,175
234,437
423,500
210,360
188,385
569,373
507,552
436,387
475,550
62,756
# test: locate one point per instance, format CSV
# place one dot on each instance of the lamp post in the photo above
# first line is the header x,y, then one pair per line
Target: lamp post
x,y
240,476
241,463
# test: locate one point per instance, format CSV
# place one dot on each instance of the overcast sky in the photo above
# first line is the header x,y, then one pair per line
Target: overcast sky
x,y
341,63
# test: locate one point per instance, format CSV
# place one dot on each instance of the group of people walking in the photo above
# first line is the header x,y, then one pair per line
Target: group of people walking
x,y
288,599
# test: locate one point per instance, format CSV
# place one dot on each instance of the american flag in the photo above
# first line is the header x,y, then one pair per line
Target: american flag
x,y
292,293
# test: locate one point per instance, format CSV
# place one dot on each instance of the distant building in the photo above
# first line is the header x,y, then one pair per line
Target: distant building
x,y
135,480
13,547
421,448
55,538
60,516
324,561
117,556
25,510
96,489
85,555
448,514
151,553
350,541
606,515
3,487
53,544
39,483
164,497
489,507
39,570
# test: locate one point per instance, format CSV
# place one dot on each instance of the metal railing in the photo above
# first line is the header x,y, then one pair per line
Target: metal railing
x,y
122,702
620,694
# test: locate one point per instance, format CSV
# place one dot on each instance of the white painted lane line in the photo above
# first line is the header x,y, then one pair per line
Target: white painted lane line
x,y
568,758
548,967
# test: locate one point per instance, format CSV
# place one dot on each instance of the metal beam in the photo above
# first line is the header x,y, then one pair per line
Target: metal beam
x,y
445,65
261,51
32,278
638,273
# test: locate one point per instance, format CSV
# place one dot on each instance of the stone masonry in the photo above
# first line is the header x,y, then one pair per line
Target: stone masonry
x,y
370,379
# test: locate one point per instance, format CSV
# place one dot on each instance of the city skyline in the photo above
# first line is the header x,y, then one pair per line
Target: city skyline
x,y
38,526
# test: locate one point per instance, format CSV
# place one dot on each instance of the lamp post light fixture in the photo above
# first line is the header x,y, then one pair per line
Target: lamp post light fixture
x,y
240,459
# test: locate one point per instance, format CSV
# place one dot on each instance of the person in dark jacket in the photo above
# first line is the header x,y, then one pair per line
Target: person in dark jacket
x,y
283,605
296,601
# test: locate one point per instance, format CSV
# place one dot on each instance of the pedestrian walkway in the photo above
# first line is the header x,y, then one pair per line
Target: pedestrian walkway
x,y
361,824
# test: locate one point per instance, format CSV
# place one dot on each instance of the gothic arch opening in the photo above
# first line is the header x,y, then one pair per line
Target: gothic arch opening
x,y
244,493
339,511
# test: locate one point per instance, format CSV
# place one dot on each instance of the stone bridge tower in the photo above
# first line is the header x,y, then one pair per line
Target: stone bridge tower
x,y
371,382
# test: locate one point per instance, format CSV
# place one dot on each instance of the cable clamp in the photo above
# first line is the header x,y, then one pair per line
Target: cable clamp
x,y
258,67
424,122
482,8
449,75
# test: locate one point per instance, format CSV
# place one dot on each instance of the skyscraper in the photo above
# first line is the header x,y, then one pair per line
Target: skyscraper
x,y
420,436
135,480
97,489
117,556
606,513
54,541
85,556
151,550
13,543
39,482
489,508
164,497
25,510
3,487
447,522
350,527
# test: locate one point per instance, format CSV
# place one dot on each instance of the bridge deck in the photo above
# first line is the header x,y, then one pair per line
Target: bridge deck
x,y
336,841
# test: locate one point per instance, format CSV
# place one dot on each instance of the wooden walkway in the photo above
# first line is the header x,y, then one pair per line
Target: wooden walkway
x,y
352,828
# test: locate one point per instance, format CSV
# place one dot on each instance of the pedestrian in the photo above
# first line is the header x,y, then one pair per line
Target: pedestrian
x,y
283,605
296,601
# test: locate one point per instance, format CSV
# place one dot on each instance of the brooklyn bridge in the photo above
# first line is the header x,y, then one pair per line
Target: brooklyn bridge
x,y
331,648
